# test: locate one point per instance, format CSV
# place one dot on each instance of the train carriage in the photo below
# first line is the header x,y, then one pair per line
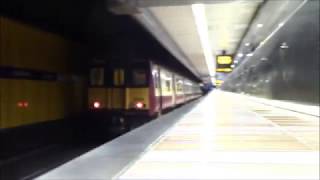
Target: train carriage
x,y
141,89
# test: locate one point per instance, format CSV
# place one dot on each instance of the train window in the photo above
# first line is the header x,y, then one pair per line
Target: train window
x,y
156,81
179,86
118,77
97,76
139,77
168,85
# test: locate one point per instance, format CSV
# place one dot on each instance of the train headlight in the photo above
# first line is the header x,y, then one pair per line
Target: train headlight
x,y
25,104
96,105
139,105
20,104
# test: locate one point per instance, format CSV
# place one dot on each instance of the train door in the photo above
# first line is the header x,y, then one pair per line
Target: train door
x,y
157,89
97,98
117,92
138,88
166,89
174,100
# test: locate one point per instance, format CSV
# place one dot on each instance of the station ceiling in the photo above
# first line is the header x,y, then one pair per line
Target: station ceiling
x,y
195,31
191,31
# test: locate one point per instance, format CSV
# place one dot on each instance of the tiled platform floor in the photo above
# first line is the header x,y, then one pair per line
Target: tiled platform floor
x,y
228,136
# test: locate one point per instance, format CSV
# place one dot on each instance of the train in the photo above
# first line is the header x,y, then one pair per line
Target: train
x,y
44,90
142,89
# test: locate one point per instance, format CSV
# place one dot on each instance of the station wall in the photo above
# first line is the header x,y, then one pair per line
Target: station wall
x,y
35,76
286,67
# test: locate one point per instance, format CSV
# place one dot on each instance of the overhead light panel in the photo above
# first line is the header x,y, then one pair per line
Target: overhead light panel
x,y
240,55
259,25
202,28
284,45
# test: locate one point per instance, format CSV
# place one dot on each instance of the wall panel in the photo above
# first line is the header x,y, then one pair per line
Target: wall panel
x,y
35,69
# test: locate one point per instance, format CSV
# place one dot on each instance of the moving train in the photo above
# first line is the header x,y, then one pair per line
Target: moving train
x,y
141,89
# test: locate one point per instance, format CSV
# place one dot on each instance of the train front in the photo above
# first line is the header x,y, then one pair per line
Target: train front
x,y
121,93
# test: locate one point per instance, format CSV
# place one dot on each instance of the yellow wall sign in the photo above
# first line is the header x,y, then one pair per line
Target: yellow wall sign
x,y
224,59
223,69
218,82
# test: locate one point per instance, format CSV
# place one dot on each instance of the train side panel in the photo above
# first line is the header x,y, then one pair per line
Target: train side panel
x,y
180,96
166,79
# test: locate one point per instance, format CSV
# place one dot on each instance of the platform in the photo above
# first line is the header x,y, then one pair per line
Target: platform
x,y
221,136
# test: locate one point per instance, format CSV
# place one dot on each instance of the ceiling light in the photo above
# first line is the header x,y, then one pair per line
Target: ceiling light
x,y
284,45
235,61
202,28
240,55
259,25
264,59
232,66
247,44
249,55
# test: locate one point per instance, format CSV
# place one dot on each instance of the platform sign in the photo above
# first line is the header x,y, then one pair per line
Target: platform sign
x,y
223,63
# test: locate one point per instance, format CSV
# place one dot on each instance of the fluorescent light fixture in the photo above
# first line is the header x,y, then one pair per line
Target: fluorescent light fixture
x,y
247,44
232,66
264,59
282,23
249,55
284,45
240,55
235,61
202,28
259,25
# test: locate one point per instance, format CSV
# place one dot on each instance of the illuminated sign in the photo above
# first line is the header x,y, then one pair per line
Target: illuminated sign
x,y
224,63
218,82
224,70
224,59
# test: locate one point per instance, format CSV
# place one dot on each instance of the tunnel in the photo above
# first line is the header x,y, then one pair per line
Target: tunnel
x,y
150,89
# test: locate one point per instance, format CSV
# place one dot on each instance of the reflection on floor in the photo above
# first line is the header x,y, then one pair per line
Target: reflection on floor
x,y
228,136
